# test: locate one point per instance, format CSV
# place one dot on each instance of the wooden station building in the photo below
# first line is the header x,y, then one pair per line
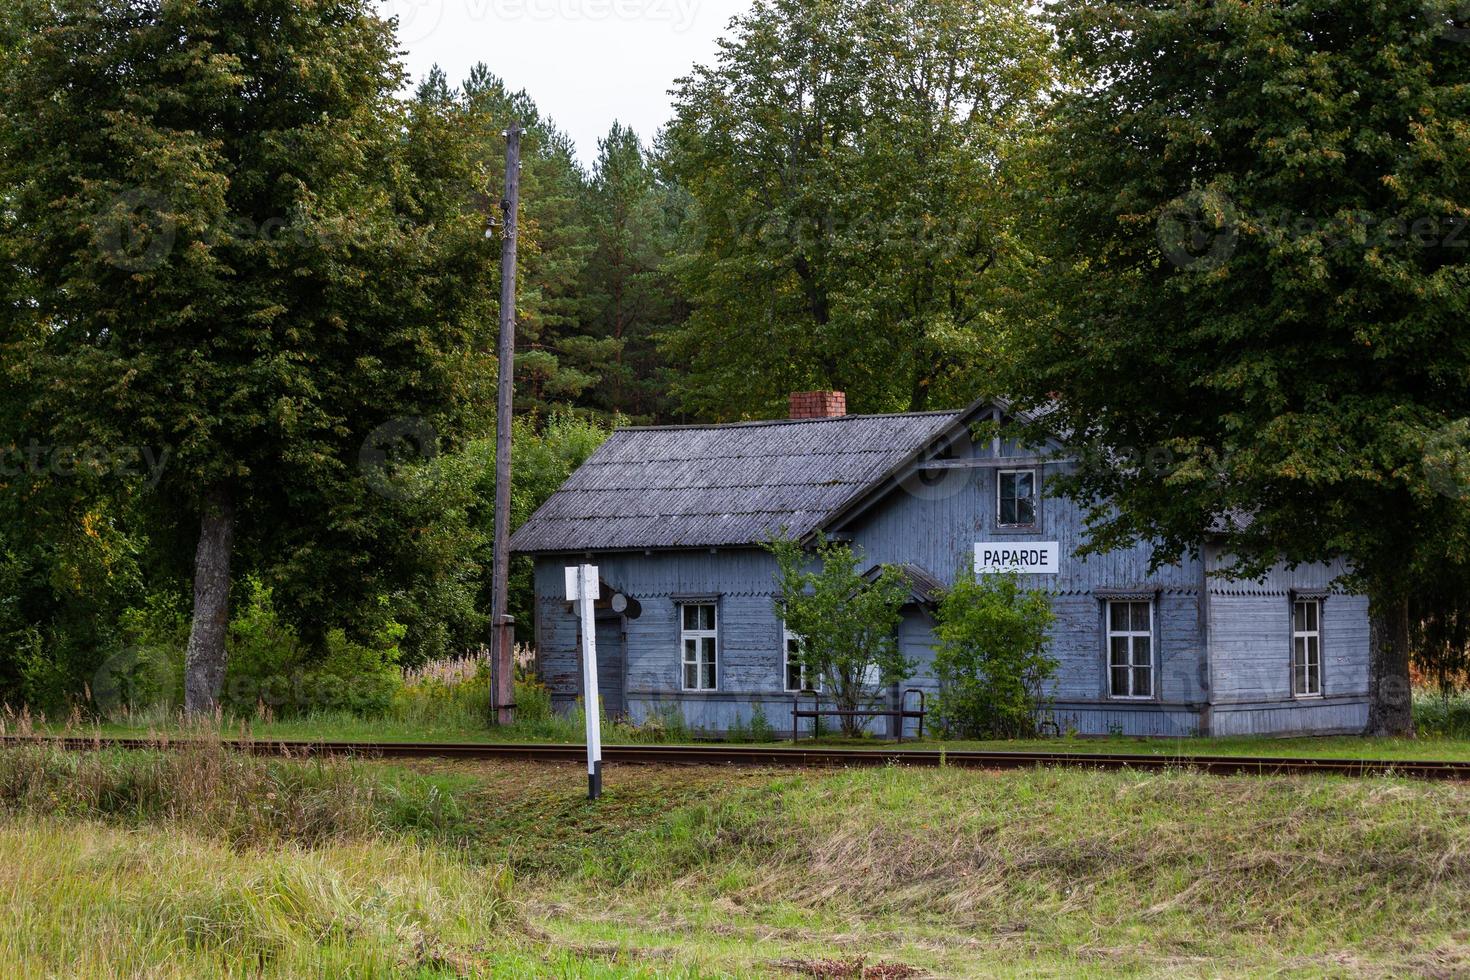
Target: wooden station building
x,y
675,517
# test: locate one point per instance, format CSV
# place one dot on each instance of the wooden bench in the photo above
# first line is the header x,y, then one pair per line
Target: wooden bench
x,y
899,714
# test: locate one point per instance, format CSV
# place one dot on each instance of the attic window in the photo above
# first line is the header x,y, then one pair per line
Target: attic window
x,y
1016,498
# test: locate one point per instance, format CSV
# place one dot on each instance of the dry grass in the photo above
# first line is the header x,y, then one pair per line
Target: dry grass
x,y
463,669
87,900
734,872
1082,872
992,848
202,786
449,671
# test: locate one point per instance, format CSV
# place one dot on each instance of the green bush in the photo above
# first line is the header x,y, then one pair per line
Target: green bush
x,y
533,702
71,561
434,701
263,652
667,724
143,673
360,678
761,729
990,658
536,720
271,670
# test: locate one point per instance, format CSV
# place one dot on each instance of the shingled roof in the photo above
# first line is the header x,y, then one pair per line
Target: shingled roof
x,y
722,485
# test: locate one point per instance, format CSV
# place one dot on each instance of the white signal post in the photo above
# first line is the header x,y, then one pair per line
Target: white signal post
x,y
582,588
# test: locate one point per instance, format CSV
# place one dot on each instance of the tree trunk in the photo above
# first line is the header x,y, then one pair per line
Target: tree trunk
x,y
1390,696
204,664
849,697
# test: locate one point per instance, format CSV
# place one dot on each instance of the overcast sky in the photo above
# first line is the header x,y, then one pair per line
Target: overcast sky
x,y
584,62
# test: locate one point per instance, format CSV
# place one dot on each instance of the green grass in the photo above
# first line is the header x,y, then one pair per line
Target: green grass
x,y
145,864
964,874
1320,747
342,727
446,703
85,899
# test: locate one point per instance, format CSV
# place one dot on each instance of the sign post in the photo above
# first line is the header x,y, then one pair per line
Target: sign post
x,y
582,588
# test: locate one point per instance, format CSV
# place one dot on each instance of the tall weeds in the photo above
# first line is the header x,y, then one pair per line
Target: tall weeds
x,y
201,785
87,899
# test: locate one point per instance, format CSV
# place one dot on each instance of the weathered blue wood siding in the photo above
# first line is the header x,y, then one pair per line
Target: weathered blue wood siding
x,y
935,520
916,643
1250,641
751,668
611,664
1221,649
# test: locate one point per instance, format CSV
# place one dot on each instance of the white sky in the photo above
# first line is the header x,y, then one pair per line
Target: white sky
x,y
584,62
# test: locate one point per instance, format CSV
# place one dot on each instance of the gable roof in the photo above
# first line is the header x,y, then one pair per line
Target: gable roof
x,y
724,485
895,477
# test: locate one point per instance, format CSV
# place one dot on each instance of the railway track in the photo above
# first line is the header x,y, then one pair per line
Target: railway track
x,y
795,756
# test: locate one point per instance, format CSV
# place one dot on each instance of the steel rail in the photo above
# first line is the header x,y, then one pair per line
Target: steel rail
x,y
771,756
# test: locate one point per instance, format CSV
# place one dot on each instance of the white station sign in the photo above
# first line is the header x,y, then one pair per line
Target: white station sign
x,y
1025,557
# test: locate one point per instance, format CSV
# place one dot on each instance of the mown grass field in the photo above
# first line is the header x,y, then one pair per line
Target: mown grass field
x,y
200,863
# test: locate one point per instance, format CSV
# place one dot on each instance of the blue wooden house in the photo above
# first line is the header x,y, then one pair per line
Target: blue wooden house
x,y
675,517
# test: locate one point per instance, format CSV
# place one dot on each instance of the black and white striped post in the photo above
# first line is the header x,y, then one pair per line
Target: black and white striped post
x,y
582,588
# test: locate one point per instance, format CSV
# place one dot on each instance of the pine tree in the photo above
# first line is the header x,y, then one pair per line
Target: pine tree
x,y
631,292
847,161
557,363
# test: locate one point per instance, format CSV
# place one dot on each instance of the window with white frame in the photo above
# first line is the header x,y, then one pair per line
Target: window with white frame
x,y
798,676
1016,498
699,639
1306,647
1130,648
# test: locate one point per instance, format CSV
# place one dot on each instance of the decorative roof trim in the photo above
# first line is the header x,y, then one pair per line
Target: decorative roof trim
x,y
1141,593
925,588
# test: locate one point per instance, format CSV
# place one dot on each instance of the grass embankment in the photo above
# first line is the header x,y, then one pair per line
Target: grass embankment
x,y
200,863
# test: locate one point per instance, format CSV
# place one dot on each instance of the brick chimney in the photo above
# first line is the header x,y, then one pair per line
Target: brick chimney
x,y
818,404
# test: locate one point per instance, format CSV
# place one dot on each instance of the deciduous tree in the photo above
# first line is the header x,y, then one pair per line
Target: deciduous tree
x,y
847,161
847,624
990,656
1254,318
228,254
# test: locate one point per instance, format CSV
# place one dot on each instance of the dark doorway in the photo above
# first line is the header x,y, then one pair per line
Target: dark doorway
x,y
611,658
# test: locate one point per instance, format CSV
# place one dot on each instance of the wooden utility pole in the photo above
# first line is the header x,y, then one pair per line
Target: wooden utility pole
x,y
502,625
